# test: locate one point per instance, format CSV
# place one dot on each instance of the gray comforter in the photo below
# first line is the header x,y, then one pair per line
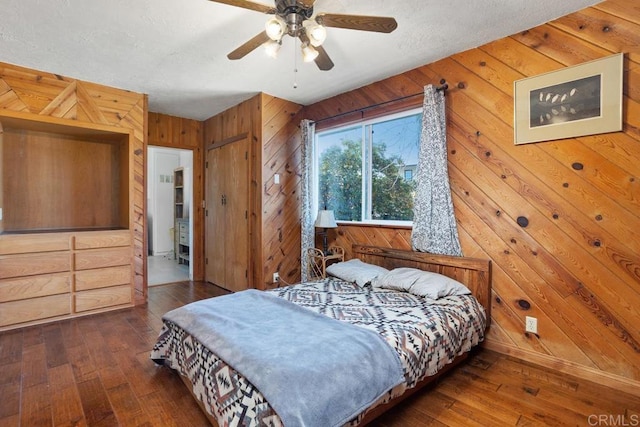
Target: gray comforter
x,y
313,370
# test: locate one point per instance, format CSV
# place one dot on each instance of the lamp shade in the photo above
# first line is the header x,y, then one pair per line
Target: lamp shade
x,y
308,52
325,219
316,32
272,47
275,28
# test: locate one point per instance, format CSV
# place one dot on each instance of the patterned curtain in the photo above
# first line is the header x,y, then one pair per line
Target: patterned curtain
x,y
307,215
434,223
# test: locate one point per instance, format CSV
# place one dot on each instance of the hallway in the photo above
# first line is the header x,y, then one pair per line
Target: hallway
x,y
163,269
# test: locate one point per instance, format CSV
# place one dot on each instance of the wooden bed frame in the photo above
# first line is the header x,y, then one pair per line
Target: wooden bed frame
x,y
475,273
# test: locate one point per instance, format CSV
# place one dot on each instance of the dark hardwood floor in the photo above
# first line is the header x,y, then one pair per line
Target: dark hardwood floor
x,y
96,371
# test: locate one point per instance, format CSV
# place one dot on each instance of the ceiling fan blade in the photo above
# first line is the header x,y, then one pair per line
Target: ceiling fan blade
x,y
249,46
322,60
306,3
246,4
379,24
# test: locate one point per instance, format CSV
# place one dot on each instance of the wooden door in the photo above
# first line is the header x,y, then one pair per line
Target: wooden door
x,y
214,218
227,212
237,215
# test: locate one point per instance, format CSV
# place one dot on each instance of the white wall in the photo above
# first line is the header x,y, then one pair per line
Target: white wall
x,y
161,164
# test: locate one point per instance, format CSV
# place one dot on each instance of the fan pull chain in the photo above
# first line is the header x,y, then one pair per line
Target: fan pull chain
x,y
295,63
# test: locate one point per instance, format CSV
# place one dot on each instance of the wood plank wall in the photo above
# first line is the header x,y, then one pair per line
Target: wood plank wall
x,y
576,265
42,93
240,119
274,216
280,202
187,134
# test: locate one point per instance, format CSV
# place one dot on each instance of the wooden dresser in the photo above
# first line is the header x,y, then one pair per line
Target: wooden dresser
x,y
67,197
53,276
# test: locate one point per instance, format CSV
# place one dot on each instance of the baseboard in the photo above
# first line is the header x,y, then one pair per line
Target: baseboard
x,y
617,382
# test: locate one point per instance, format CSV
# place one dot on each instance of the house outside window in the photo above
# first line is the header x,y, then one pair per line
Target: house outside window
x,y
365,171
409,172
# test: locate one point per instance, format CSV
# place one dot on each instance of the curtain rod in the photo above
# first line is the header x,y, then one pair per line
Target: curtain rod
x,y
443,87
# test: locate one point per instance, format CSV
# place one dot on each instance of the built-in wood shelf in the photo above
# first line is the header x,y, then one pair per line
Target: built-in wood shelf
x,y
62,176
66,242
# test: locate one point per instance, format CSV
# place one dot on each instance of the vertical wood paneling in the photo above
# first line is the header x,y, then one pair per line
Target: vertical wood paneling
x,y
177,132
576,265
244,118
42,93
272,124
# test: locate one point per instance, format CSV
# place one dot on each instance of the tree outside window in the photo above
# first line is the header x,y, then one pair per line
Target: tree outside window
x,y
365,172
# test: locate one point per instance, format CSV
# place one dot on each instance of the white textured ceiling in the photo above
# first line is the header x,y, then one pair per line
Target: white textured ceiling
x,y
175,50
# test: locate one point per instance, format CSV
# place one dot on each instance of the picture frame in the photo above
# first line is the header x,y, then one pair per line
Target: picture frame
x,y
584,99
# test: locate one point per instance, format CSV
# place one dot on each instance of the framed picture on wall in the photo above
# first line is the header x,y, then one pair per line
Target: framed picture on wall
x,y
584,99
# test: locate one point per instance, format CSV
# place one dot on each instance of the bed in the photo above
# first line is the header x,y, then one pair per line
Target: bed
x,y
428,336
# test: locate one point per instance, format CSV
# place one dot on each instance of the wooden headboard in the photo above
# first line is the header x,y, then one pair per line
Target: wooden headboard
x,y
475,273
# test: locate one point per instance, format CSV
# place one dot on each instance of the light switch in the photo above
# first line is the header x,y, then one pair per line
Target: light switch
x,y
276,178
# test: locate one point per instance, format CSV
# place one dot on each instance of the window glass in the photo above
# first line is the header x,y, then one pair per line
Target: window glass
x,y
339,155
365,172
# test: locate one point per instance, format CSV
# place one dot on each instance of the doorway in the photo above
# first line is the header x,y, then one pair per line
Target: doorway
x,y
169,215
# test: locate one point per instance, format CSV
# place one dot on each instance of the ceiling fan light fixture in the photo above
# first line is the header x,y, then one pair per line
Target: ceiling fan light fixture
x,y
308,52
272,47
296,19
275,28
317,33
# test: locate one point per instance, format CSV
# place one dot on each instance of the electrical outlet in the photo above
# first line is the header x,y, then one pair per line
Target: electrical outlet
x,y
531,324
276,277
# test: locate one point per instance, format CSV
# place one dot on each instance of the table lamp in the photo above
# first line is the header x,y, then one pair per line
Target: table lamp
x,y
325,220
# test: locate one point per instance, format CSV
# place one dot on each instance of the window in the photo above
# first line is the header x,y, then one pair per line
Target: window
x,y
365,171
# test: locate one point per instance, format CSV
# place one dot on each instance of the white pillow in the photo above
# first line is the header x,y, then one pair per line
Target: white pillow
x,y
421,283
356,271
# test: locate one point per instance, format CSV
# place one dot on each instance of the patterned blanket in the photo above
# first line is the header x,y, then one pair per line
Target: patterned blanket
x,y
426,335
337,365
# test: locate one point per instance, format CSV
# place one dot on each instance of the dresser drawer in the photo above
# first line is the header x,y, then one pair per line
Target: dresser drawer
x,y
31,265
100,298
102,239
15,312
31,243
102,277
100,258
184,238
34,286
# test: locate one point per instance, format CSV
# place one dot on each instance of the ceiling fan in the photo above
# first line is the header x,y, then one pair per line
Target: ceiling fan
x,y
295,18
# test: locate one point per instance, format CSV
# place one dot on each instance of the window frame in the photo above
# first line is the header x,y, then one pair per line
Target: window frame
x,y
367,159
